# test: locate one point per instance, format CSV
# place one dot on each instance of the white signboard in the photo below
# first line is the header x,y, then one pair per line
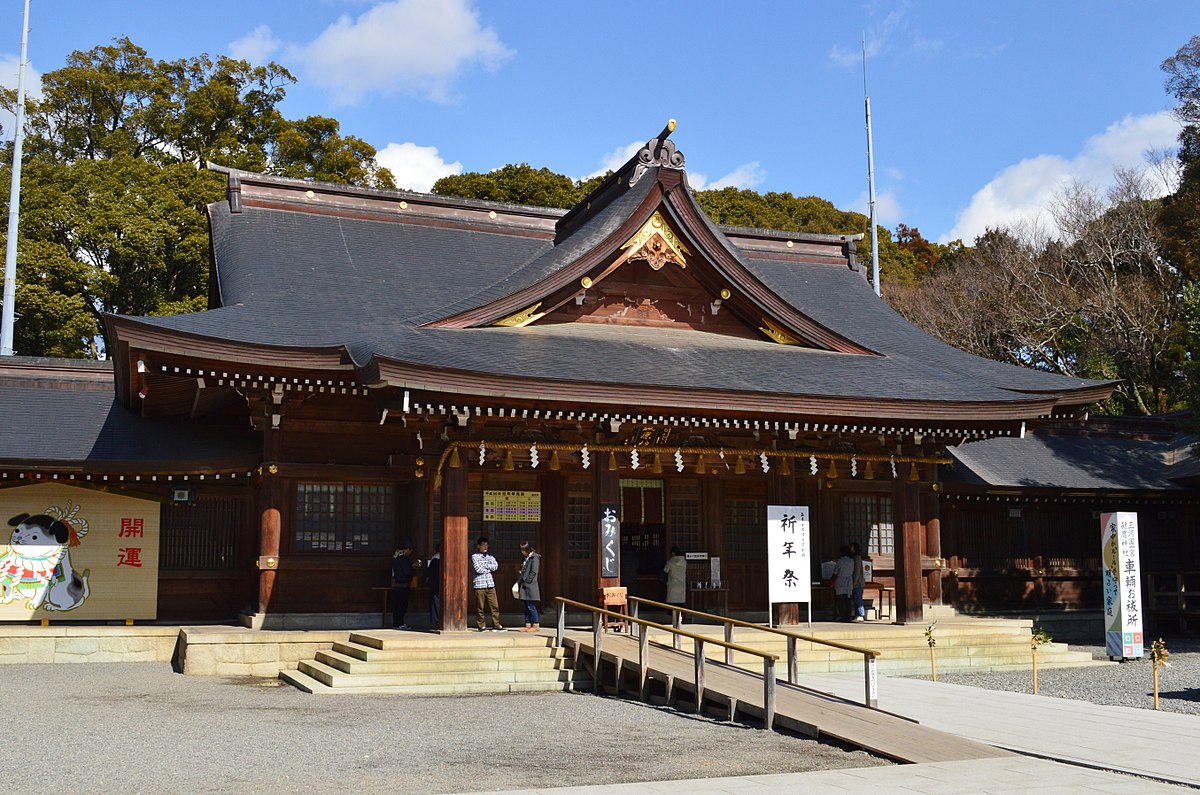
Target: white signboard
x,y
1122,585
788,567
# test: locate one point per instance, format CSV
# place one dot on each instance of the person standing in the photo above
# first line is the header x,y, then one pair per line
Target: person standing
x,y
433,581
528,586
843,584
858,583
402,572
483,565
676,571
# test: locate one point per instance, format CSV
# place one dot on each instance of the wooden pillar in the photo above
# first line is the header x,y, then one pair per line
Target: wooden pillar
x,y
906,519
456,549
270,504
608,492
782,491
931,515
552,542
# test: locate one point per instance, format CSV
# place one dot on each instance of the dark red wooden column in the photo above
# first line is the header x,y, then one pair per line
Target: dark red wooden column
x,y
906,519
931,515
270,504
456,549
781,490
552,540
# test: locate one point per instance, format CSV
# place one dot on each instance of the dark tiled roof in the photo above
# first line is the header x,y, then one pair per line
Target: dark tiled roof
x,y
302,279
1064,462
84,425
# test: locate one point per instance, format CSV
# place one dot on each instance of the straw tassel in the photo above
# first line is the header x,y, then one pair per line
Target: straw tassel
x,y
455,461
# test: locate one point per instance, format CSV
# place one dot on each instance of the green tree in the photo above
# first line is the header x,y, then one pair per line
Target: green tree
x,y
518,183
112,196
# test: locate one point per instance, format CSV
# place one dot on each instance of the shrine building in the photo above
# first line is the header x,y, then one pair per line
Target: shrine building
x,y
381,366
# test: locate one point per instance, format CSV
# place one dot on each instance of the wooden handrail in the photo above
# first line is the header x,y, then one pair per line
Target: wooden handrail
x,y
698,641
870,679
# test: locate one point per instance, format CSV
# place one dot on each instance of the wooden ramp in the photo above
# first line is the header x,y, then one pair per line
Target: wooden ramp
x,y
798,709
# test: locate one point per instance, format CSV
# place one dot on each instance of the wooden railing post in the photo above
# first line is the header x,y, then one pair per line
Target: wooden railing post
x,y
561,632
698,657
728,639
643,658
596,635
676,622
793,664
872,680
636,611
768,693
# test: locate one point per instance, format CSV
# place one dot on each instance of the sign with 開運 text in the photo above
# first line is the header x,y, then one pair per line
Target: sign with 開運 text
x,y
1122,585
788,567
69,553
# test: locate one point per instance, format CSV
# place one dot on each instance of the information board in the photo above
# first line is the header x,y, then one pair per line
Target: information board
x,y
788,567
512,506
1122,585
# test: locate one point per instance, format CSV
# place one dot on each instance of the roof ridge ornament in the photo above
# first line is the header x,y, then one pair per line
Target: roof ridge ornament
x,y
658,152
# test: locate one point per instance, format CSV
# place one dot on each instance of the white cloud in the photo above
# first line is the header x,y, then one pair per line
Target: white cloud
x,y
414,47
257,46
1022,192
879,39
10,65
415,167
888,211
616,158
746,176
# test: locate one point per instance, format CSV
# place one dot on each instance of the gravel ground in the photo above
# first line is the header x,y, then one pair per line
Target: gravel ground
x,y
1128,684
140,727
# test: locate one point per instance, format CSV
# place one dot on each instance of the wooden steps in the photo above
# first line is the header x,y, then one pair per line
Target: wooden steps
x,y
397,662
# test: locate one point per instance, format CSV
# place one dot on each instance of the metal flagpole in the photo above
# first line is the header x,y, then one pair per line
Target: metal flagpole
x,y
14,203
871,177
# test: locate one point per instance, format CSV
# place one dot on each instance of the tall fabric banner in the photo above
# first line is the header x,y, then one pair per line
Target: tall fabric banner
x,y
610,541
68,554
1122,585
788,567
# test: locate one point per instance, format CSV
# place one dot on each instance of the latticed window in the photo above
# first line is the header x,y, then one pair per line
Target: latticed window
x,y
581,521
344,517
202,536
867,519
746,529
683,515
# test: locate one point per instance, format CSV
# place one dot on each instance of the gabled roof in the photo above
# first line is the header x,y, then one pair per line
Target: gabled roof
x,y
427,292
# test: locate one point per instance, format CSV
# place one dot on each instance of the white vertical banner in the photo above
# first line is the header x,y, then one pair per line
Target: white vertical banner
x,y
1122,585
788,569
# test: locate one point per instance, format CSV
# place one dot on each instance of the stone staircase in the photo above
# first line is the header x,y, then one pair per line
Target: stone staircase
x,y
417,663
962,645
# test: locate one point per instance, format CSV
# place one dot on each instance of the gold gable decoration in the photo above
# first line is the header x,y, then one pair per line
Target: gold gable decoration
x,y
776,333
522,318
657,244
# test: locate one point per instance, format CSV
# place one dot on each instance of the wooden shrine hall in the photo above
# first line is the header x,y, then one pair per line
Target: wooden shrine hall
x,y
429,368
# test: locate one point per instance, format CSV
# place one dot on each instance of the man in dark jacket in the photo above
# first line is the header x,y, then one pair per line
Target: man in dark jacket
x,y
433,580
402,572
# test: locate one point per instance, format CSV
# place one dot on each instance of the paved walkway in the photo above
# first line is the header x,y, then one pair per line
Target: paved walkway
x,y
1142,742
1004,775
1090,740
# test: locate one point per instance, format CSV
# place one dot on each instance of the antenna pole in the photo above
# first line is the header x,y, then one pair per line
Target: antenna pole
x,y
871,177
14,203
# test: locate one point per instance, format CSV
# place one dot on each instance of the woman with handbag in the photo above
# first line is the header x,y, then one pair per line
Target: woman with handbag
x,y
527,586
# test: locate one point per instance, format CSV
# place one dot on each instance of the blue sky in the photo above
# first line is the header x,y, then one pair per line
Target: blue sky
x,y
980,111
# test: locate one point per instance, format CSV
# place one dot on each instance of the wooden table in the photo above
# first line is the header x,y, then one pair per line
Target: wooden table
x,y
387,597
698,598
882,590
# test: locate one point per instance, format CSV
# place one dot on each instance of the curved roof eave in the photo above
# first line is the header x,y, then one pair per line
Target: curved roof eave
x,y
393,372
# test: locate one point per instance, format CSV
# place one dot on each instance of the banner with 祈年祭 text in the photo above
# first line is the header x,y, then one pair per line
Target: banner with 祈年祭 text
x,y
788,567
1122,585
70,553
